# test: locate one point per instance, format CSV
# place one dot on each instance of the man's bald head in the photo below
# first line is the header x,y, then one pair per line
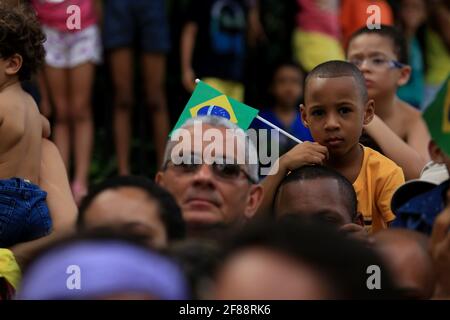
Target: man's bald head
x,y
406,254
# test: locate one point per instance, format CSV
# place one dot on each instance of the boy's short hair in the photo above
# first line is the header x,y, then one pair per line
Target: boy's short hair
x,y
392,33
336,69
20,33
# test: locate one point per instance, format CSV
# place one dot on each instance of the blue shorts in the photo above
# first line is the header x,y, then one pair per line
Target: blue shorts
x,y
128,21
24,214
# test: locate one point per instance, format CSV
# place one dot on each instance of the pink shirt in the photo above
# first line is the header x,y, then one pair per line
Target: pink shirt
x,y
54,13
319,16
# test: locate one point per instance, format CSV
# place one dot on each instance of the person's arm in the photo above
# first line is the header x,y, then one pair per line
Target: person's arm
x,y
306,153
63,211
188,35
410,160
255,28
54,180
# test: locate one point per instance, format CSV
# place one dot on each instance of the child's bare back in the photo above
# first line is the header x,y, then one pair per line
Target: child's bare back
x,y
21,128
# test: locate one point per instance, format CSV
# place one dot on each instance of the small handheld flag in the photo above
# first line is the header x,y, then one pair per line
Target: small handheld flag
x,y
206,100
437,117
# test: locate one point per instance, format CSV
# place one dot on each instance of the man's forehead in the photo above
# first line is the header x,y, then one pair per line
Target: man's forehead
x,y
312,190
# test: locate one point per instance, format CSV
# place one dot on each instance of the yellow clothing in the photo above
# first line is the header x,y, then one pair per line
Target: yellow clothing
x,y
229,88
9,269
438,59
313,48
377,181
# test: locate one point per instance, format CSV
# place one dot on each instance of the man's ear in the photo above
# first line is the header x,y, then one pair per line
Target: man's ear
x,y
303,114
254,200
13,65
369,111
359,219
405,74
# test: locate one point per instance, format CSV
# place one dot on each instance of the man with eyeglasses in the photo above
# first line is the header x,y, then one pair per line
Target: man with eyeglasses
x,y
397,128
213,189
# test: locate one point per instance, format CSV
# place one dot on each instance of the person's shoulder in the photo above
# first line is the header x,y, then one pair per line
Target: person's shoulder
x,y
408,112
8,101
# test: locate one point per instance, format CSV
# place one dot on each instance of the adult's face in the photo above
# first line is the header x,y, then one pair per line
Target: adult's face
x,y
128,209
209,194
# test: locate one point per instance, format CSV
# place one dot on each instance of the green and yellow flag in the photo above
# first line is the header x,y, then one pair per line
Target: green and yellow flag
x,y
206,100
437,117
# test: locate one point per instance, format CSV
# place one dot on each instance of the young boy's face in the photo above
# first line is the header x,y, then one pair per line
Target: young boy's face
x,y
287,86
335,112
374,55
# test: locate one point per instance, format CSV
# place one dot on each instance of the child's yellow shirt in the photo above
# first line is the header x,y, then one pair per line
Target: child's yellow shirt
x,y
377,181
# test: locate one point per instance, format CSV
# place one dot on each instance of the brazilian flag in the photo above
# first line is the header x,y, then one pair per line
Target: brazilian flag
x,y
437,117
206,100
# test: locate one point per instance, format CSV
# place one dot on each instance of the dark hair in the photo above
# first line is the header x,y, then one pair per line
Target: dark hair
x,y
20,33
336,69
346,189
342,262
392,33
170,212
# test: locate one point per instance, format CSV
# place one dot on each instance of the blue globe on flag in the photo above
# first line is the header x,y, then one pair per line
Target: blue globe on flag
x,y
214,110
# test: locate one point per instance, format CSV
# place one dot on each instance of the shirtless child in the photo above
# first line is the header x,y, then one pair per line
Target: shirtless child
x,y
397,127
24,214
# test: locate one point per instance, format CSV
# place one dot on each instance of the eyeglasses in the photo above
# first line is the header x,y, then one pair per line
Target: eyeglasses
x,y
377,63
220,168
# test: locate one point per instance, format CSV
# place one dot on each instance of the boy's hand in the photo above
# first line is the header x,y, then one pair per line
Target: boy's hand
x,y
440,251
306,153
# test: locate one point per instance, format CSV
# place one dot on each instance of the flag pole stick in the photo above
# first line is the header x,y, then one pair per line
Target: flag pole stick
x,y
279,129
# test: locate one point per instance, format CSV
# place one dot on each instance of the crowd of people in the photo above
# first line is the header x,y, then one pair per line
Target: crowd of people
x,y
366,189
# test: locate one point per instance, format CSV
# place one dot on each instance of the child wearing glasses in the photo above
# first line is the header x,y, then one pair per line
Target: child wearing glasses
x,y
397,127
